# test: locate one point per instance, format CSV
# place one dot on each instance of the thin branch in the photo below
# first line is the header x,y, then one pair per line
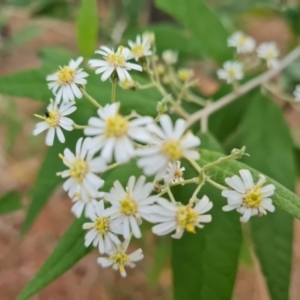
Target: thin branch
x,y
243,89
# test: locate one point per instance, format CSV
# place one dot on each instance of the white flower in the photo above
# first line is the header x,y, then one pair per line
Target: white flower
x,y
269,52
82,169
54,119
232,71
114,62
114,134
103,232
175,216
64,83
118,258
170,57
132,205
297,93
174,173
140,48
241,42
167,144
81,204
247,198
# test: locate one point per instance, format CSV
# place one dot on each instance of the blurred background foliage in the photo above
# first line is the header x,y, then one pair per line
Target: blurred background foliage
x,y
198,30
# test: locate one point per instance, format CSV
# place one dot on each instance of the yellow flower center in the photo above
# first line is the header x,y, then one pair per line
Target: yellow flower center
x,y
242,40
172,149
128,206
78,170
187,218
231,72
102,225
138,50
270,55
116,126
121,259
65,75
116,59
178,174
253,197
53,117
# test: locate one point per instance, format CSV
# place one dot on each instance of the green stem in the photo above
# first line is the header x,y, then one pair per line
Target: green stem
x,y
90,98
195,165
75,126
235,154
112,166
145,86
194,196
113,90
170,195
215,184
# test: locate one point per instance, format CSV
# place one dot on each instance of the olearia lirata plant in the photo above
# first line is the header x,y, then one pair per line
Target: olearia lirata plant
x,y
158,144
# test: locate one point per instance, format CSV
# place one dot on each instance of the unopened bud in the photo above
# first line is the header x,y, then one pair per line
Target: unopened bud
x,y
185,74
150,37
170,57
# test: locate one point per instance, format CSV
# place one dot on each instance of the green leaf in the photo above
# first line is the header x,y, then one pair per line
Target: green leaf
x,y
205,264
292,16
59,9
87,27
266,137
10,202
69,250
203,23
24,35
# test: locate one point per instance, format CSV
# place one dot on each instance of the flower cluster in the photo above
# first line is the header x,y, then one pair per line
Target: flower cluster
x,y
233,71
159,145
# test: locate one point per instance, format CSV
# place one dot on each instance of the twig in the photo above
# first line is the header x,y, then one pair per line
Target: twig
x,y
243,89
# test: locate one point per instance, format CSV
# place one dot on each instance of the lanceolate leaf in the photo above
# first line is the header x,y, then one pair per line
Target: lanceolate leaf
x,y
70,248
87,27
10,202
266,136
203,23
205,264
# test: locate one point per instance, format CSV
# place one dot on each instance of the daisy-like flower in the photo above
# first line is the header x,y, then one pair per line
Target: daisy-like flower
x,y
232,71
55,119
241,42
81,205
140,48
114,134
297,93
114,62
247,198
132,205
268,52
170,57
119,259
167,144
82,169
64,83
102,231
174,173
179,217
